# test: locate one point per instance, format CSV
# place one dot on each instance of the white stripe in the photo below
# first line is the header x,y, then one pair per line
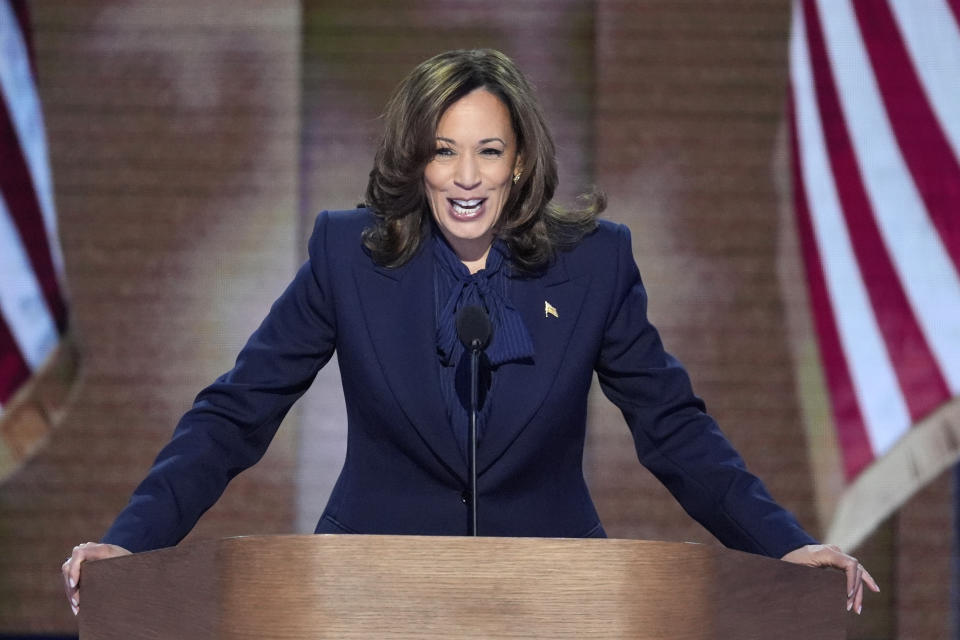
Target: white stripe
x,y
878,393
21,298
932,36
918,254
19,92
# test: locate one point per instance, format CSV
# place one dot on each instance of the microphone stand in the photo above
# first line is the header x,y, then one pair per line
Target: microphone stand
x,y
475,347
474,330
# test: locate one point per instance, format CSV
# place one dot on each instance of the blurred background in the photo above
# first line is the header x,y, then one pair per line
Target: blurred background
x,y
188,146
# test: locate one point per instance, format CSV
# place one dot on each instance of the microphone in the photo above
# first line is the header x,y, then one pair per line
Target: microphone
x,y
473,328
474,331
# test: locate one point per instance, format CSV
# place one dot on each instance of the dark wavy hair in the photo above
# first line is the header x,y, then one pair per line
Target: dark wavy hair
x,y
532,227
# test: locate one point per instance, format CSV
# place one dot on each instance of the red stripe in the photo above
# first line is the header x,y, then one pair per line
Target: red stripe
x,y
17,188
22,11
921,381
851,431
955,7
925,148
13,368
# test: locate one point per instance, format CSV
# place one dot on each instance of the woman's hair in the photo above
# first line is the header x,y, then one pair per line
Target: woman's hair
x,y
530,224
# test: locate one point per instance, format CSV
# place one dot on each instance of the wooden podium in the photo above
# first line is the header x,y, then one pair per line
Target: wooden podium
x,y
330,586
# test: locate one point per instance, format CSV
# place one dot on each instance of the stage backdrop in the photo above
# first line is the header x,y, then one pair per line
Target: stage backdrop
x,y
191,144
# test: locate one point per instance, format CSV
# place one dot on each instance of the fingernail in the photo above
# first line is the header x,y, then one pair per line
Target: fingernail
x,y
859,609
73,583
75,602
75,610
849,606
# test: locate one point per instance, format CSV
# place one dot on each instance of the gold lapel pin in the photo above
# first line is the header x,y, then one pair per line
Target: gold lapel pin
x,y
549,310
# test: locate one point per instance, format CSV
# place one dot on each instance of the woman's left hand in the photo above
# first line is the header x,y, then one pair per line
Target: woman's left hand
x,y
830,555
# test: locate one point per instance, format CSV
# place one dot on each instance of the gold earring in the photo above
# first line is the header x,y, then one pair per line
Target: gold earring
x,y
516,177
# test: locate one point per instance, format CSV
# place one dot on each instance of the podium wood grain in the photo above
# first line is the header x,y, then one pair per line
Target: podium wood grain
x,y
327,586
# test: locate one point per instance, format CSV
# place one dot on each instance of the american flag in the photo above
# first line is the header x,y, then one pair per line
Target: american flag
x,y
875,117
34,356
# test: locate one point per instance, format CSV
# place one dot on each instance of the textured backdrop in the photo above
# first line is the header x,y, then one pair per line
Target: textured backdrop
x,y
192,143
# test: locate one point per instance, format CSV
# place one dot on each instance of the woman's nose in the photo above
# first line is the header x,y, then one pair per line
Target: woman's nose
x,y
466,175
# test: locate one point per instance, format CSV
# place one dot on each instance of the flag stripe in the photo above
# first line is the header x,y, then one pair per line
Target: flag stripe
x,y
931,158
26,117
955,7
875,384
918,253
21,297
932,37
851,432
912,361
22,12
13,369
16,187
810,175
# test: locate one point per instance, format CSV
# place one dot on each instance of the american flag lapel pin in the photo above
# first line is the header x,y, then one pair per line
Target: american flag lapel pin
x,y
549,310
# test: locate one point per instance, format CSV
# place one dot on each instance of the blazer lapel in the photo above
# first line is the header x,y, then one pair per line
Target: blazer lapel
x,y
398,306
521,387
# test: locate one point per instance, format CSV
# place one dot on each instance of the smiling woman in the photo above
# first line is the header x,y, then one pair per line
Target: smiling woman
x,y
460,215
429,112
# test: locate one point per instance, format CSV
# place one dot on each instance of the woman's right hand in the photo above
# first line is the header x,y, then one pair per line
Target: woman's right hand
x,y
71,566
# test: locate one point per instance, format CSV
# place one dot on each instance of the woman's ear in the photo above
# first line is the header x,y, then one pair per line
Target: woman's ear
x,y
517,169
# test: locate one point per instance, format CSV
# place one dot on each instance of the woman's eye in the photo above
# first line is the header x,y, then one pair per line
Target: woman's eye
x,y
496,153
444,152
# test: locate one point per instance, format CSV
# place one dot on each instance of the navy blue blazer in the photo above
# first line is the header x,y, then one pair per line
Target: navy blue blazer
x,y
404,472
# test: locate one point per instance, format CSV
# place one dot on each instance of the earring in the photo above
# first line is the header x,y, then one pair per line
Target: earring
x,y
516,177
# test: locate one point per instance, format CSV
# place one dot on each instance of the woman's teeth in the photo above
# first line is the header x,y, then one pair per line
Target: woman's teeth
x,y
466,207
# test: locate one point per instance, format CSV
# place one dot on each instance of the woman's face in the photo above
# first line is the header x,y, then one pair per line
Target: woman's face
x,y
469,178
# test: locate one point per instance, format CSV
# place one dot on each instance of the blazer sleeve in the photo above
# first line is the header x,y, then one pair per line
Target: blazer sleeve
x,y
674,437
233,420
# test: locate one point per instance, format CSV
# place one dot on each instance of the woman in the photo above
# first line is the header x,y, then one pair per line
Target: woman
x,y
460,214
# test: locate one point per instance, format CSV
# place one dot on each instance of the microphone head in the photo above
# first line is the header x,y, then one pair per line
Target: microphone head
x,y
473,328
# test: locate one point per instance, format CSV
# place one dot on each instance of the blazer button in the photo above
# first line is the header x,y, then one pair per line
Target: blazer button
x,y
465,497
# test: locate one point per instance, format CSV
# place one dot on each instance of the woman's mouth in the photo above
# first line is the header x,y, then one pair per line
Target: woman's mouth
x,y
466,209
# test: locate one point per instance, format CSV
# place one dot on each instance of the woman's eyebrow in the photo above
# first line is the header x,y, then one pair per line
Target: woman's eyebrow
x,y
484,141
